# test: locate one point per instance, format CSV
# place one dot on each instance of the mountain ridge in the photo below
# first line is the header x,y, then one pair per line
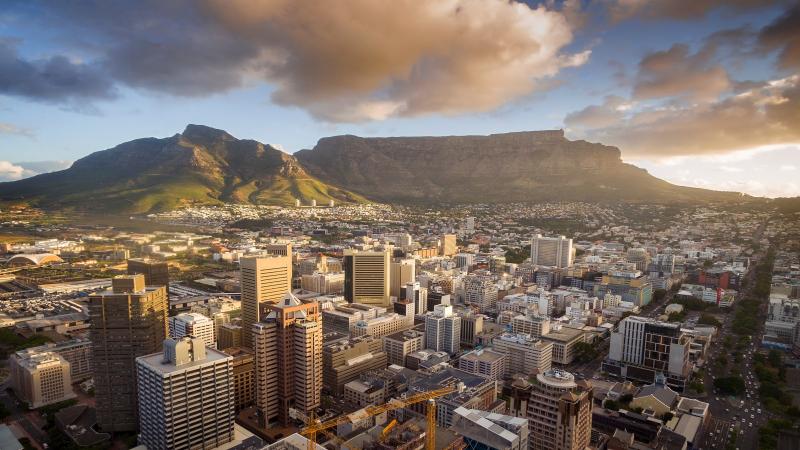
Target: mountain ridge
x,y
204,165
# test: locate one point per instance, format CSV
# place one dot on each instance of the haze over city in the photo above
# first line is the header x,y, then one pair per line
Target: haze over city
x,y
699,93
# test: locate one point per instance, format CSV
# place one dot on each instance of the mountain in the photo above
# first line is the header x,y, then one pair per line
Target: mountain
x,y
511,167
202,165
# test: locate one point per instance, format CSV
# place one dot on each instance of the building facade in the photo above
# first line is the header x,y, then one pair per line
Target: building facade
x,y
559,412
40,378
552,251
366,277
193,324
264,280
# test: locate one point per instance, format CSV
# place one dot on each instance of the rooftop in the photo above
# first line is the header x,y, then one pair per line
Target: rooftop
x,y
157,362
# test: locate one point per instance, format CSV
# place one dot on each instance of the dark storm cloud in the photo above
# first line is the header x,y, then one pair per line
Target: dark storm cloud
x,y
55,79
784,35
678,9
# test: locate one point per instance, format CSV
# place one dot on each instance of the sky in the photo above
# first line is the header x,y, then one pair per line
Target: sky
x,y
699,92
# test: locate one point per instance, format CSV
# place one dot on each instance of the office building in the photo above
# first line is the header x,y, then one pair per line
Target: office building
x,y
40,378
343,360
448,245
488,430
645,350
244,377
156,273
471,328
192,324
279,249
186,396
324,283
230,335
443,330
485,362
417,295
436,296
128,321
632,286
401,344
526,355
564,340
639,257
288,353
559,412
264,280
77,352
480,292
464,260
532,325
552,251
403,272
366,277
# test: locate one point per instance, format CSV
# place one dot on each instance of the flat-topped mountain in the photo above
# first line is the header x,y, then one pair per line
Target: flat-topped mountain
x,y
204,165
512,167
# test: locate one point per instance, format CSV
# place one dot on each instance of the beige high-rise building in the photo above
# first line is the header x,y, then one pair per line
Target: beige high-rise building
x,y
244,376
552,251
366,277
128,321
40,378
449,246
559,412
287,344
403,272
264,280
186,396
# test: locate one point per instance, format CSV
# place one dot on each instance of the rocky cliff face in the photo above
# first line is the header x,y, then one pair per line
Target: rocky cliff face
x,y
525,166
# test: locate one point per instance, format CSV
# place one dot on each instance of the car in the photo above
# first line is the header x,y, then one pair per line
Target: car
x,y
746,410
758,410
751,424
744,420
752,416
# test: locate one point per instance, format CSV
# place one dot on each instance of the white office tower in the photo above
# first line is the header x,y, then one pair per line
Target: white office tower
x,y
186,396
418,296
402,272
443,329
194,325
552,251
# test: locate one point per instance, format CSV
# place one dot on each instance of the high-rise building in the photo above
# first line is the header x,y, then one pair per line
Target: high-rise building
x,y
77,352
639,257
471,327
194,325
443,330
156,273
287,343
345,359
448,244
284,249
559,412
366,277
230,335
40,378
532,325
401,344
416,294
403,272
264,280
465,260
219,319
324,283
632,286
469,224
526,355
644,350
480,291
186,396
244,376
552,251
128,321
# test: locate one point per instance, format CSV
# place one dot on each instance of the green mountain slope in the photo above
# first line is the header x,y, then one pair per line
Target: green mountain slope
x,y
200,166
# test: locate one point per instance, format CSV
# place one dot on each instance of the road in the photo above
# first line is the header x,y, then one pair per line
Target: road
x,y
22,416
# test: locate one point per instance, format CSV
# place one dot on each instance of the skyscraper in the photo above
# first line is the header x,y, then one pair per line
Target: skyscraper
x,y
559,412
443,329
128,321
366,277
156,273
186,396
192,324
403,272
448,245
264,280
552,251
287,343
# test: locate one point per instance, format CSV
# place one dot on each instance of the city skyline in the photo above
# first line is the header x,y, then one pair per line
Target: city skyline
x,y
700,96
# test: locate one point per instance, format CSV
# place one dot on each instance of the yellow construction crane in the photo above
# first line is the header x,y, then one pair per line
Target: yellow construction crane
x,y
311,431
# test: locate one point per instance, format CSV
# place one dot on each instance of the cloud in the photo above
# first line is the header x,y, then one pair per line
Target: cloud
x,y
55,79
611,112
764,115
11,172
784,35
787,167
360,60
678,73
38,167
678,9
16,171
9,128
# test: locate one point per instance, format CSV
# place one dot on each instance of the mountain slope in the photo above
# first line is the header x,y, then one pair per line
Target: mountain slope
x,y
524,167
200,166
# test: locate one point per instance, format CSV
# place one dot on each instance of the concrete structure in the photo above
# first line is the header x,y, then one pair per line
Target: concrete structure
x,y
288,355
448,245
186,396
471,328
343,360
40,378
486,430
324,283
360,320
363,394
128,321
485,362
264,280
559,412
526,355
230,335
564,340
402,272
193,324
279,249
401,344
552,251
632,286
443,330
480,291
77,352
244,376
156,273
533,325
642,349
366,277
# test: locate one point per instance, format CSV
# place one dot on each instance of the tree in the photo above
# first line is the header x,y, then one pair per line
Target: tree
x,y
667,416
585,352
611,404
708,319
732,385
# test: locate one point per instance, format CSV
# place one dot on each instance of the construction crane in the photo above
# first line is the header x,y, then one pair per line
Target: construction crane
x,y
387,429
310,432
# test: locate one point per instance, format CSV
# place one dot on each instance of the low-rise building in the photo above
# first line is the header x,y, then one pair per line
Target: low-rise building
x,y
40,378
